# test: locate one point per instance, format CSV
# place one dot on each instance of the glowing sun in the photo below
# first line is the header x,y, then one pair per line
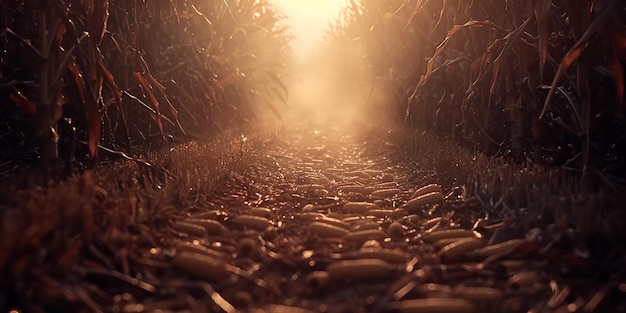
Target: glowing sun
x,y
309,20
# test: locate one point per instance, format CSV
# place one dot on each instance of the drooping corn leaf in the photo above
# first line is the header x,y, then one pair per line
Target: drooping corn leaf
x,y
578,49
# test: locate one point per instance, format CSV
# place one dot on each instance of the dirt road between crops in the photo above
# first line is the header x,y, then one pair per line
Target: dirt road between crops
x,y
325,215
324,222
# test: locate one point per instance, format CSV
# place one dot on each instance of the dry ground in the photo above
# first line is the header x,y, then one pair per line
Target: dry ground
x,y
319,218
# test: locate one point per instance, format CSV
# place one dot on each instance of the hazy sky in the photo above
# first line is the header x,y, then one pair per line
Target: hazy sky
x,y
309,20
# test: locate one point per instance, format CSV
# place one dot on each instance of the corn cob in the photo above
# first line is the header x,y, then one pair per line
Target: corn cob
x,y
353,188
500,248
447,233
385,193
364,235
444,242
325,230
189,229
454,251
426,189
360,269
358,219
308,208
380,213
359,207
365,225
201,266
386,185
262,212
419,201
251,221
333,221
212,227
308,216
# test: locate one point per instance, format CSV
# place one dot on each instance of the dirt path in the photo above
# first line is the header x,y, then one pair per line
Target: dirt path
x,y
322,218
322,223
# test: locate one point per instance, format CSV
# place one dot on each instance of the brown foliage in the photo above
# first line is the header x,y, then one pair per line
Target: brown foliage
x,y
126,75
478,72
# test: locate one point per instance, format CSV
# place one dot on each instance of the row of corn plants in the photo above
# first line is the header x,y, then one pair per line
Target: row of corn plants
x,y
81,77
540,81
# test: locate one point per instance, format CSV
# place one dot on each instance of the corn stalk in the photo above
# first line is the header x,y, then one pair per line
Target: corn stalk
x,y
536,81
130,76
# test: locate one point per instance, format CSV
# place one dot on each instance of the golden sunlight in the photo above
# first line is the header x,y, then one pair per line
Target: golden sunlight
x,y
309,20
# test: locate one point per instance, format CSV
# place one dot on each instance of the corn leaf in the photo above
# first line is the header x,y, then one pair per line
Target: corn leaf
x,y
577,50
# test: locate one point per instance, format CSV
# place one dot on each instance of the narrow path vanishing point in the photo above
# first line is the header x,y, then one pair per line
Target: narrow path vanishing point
x,y
321,223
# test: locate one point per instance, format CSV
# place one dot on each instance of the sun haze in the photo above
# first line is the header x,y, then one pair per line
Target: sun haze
x,y
317,89
309,20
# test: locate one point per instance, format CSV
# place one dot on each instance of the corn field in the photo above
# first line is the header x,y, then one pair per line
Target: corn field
x,y
483,172
81,77
539,82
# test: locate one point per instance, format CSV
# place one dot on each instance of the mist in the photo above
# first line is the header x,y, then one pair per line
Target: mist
x,y
335,84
